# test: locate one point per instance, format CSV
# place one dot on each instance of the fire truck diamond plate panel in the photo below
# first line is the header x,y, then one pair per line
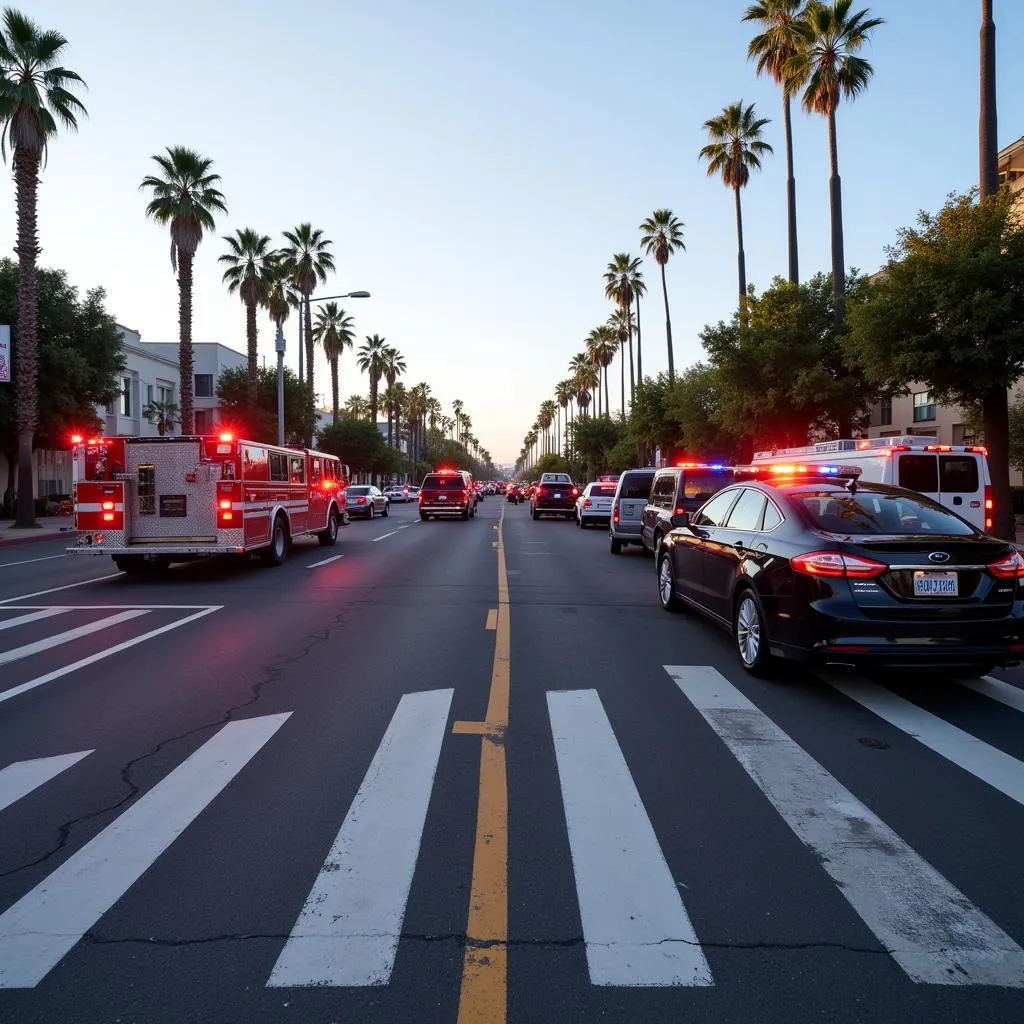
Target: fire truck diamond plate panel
x,y
174,465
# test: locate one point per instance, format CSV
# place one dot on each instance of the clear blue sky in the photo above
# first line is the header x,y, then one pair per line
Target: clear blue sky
x,y
477,164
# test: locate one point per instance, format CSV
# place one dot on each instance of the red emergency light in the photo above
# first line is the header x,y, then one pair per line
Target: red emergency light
x,y
226,435
76,438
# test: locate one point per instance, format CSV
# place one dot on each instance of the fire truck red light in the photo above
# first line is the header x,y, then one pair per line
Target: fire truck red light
x,y
225,503
227,436
93,440
76,438
108,517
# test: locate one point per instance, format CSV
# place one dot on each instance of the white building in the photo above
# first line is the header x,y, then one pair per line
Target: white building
x,y
150,373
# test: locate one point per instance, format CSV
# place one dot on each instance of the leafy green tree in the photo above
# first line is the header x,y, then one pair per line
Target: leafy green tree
x,y
593,438
184,198
80,359
948,311
735,149
692,404
359,444
299,405
649,421
36,94
783,379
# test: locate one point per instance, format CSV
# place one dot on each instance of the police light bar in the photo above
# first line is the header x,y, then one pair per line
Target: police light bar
x,y
791,470
701,465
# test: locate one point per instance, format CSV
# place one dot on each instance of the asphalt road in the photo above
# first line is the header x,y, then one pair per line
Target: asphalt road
x,y
238,794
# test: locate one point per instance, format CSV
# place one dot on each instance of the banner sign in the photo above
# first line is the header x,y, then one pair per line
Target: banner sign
x,y
5,354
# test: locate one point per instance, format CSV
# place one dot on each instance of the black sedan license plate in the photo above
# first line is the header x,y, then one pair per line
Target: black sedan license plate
x,y
936,584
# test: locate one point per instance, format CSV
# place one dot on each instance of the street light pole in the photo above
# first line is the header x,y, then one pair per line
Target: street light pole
x,y
279,344
321,298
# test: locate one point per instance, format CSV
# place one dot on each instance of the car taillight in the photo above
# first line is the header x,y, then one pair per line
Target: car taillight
x,y
360,501
575,492
615,512
541,492
989,507
587,503
1008,568
833,565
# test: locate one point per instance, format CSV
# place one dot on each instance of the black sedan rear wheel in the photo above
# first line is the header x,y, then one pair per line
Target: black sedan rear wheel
x,y
750,634
667,584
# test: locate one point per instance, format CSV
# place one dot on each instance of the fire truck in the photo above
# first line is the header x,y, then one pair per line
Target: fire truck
x,y
151,501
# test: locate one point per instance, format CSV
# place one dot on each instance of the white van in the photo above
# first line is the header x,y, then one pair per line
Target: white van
x,y
956,476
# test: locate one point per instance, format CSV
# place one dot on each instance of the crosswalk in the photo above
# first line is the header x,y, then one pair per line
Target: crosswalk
x,y
37,640
638,920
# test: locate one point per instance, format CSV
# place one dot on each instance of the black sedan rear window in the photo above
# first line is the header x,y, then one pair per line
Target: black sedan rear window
x,y
878,512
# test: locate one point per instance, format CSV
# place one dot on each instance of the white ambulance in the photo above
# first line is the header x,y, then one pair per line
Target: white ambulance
x,y
956,476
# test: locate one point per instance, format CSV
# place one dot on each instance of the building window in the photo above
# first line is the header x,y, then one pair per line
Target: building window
x,y
202,421
924,407
126,396
885,412
204,385
166,394
149,392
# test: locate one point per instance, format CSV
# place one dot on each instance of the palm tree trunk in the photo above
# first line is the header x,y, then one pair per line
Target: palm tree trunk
x,y
334,390
639,350
26,173
835,198
632,376
988,144
794,271
741,258
668,328
252,372
995,411
607,410
373,401
309,343
185,356
622,380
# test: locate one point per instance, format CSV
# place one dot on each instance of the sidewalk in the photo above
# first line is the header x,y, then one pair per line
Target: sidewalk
x,y
50,527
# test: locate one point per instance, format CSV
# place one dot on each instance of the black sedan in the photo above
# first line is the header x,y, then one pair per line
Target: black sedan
x,y
820,568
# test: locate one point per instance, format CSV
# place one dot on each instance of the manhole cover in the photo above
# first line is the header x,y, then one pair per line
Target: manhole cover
x,y
870,741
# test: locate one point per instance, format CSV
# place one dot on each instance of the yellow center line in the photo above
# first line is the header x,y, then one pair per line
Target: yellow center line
x,y
483,998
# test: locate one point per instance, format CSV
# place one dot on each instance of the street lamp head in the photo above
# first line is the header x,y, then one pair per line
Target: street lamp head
x,y
358,295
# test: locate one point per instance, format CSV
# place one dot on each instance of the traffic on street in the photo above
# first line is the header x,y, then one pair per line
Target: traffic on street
x,y
448,757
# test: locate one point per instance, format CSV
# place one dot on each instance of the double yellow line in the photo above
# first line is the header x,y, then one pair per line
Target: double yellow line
x,y
483,998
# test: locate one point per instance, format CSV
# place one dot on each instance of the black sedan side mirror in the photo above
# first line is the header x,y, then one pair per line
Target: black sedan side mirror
x,y
680,521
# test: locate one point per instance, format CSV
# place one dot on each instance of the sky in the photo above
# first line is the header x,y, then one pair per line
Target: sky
x,y
476,164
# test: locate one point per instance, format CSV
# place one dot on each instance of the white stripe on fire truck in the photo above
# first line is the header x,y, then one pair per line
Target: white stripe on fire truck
x,y
97,506
45,924
27,650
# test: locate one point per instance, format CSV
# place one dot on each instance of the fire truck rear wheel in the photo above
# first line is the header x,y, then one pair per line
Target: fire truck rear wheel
x,y
131,564
330,535
277,553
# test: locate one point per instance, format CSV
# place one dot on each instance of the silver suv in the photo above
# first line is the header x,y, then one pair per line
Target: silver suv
x,y
631,494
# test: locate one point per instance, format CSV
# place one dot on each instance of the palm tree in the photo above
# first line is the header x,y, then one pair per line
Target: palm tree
x,y
398,399
356,407
250,272
772,48
416,408
661,236
622,281
309,260
545,418
35,95
333,330
370,360
602,343
564,396
619,324
827,67
988,145
392,368
736,146
280,297
185,198
162,414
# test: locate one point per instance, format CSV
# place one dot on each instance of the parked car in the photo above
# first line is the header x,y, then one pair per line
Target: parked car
x,y
594,505
676,489
555,494
365,501
631,494
397,492
819,567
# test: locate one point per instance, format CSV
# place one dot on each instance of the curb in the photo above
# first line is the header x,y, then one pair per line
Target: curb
x,y
34,537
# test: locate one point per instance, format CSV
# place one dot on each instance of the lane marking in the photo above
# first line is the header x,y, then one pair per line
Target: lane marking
x,y
347,932
980,759
325,561
483,996
14,691
29,561
927,925
997,689
636,929
38,646
45,924
20,620
492,619
19,779
383,536
67,586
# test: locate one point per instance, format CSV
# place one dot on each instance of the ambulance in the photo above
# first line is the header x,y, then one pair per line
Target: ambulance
x,y
151,501
956,476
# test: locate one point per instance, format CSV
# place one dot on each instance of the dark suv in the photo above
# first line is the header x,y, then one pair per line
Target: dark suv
x,y
447,493
555,495
679,489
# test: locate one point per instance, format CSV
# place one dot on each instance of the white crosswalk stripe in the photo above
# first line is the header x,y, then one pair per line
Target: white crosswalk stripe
x,y
347,933
997,689
635,927
981,759
38,646
19,779
927,925
49,920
